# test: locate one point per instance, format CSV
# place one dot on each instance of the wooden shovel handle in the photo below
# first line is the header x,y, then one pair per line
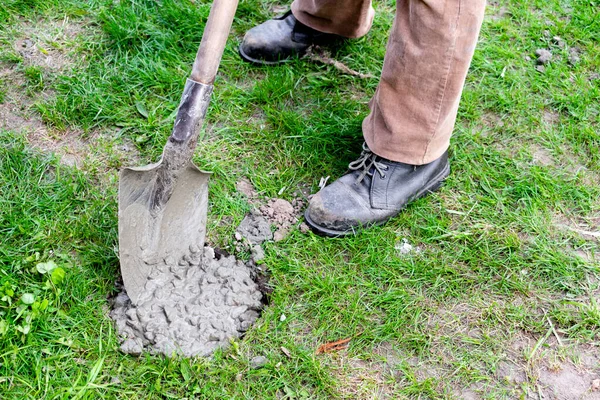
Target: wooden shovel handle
x,y
213,41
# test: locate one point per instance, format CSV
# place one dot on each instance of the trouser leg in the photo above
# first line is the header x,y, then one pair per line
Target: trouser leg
x,y
348,18
428,54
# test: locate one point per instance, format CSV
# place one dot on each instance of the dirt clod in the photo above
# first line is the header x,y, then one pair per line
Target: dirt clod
x,y
282,214
574,55
245,187
544,56
304,228
258,254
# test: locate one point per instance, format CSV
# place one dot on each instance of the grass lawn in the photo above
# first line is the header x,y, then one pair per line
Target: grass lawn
x,y
488,289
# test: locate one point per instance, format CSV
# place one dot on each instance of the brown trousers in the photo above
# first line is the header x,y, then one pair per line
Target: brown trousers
x,y
428,54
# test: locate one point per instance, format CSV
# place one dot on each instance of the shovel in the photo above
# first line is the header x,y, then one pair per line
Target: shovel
x,y
163,206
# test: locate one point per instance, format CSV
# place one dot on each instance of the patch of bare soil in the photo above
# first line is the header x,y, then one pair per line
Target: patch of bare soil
x,y
16,112
550,118
360,378
509,364
486,125
588,228
568,382
542,156
51,45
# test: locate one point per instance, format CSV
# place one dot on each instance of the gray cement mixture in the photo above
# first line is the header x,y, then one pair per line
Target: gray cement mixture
x,y
195,305
190,307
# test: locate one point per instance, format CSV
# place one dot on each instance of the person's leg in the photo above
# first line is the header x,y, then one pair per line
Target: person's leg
x,y
412,116
309,22
426,62
347,18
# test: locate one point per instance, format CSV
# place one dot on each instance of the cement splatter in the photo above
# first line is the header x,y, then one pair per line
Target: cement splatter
x,y
191,307
254,228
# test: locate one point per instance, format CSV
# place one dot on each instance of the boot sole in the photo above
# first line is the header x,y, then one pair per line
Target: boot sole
x,y
433,186
256,61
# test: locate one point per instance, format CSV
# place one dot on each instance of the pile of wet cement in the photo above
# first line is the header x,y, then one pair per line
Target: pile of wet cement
x,y
190,307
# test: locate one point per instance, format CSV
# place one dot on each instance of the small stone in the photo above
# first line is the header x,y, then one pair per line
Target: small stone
x,y
238,236
544,56
595,385
245,325
404,247
540,68
573,56
280,234
258,362
559,42
194,249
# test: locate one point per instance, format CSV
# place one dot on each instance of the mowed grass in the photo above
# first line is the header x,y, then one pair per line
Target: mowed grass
x,y
509,244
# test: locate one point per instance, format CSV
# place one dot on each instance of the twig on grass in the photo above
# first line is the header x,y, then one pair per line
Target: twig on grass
x,y
333,346
315,53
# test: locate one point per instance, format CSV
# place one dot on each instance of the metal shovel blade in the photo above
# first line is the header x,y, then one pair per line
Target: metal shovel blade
x,y
163,206
149,235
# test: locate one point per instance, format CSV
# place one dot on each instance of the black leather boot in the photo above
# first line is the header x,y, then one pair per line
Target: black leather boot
x,y
371,193
280,39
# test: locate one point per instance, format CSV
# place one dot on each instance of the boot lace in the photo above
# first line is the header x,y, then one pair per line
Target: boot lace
x,y
367,163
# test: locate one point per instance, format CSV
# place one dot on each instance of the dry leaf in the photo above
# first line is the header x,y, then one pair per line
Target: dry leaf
x,y
333,346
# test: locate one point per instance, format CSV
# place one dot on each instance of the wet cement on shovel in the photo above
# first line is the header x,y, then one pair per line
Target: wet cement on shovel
x,y
190,306
195,305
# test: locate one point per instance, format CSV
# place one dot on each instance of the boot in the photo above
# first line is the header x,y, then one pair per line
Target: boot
x,y
372,192
280,39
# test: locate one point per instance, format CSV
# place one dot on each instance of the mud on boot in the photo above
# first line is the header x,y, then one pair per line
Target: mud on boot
x,y
371,193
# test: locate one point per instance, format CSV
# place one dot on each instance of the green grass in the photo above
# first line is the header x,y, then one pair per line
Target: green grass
x,y
495,262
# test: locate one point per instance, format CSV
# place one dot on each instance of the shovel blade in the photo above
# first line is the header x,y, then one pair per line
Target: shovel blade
x,y
148,236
